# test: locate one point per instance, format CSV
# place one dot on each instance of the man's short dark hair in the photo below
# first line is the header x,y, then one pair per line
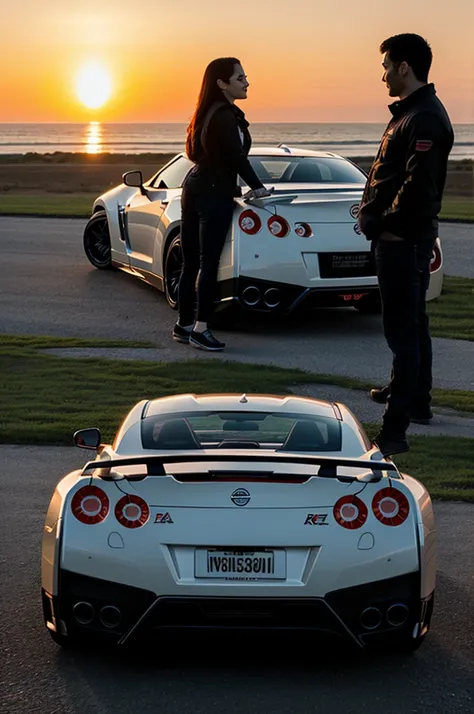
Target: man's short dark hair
x,y
412,49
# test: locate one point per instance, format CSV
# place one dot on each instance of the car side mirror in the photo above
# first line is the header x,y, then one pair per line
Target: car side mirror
x,y
133,178
87,439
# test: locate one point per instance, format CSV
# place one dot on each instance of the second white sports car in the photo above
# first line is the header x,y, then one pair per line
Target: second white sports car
x,y
238,512
299,248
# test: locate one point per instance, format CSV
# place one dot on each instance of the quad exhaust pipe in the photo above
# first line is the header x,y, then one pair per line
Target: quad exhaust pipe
x,y
109,615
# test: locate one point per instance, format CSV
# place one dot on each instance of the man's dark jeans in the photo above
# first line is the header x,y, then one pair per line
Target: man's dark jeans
x,y
205,222
403,271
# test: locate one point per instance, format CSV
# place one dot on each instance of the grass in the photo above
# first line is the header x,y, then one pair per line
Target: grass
x,y
457,209
79,205
66,205
46,398
452,314
444,464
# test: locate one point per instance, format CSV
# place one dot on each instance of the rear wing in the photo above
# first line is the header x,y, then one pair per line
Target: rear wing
x,y
329,465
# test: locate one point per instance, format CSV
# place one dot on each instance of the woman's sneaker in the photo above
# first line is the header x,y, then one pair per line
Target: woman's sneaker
x,y
181,334
205,341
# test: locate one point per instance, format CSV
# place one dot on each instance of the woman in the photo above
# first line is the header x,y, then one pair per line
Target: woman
x,y
218,142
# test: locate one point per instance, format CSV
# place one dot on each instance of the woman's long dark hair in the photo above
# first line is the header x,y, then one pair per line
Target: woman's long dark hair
x,y
220,68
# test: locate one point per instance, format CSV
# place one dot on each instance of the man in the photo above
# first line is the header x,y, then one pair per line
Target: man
x,y
399,214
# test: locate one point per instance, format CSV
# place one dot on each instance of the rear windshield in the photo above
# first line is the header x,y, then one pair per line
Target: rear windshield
x,y
305,169
290,432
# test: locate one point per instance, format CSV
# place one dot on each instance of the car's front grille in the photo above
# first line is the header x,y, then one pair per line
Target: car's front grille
x,y
346,265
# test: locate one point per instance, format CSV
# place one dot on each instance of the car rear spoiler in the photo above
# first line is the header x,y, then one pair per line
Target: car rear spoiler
x,y
300,197
329,464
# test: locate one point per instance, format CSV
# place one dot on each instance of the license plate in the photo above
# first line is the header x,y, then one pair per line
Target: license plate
x,y
354,261
240,565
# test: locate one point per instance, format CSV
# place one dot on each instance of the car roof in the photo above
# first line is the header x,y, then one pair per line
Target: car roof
x,y
241,402
284,150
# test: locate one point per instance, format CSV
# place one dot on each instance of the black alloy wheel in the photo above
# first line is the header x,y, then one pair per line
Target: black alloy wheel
x,y
97,241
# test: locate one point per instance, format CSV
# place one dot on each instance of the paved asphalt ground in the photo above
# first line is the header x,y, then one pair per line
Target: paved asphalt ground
x,y
47,287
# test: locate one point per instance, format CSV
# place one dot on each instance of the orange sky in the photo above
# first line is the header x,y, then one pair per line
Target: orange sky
x,y
305,61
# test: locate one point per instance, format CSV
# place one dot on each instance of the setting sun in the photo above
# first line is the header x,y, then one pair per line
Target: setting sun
x,y
93,85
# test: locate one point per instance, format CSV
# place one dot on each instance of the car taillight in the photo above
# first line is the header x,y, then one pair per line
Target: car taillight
x,y
250,222
90,505
350,512
278,226
132,511
435,259
304,230
390,506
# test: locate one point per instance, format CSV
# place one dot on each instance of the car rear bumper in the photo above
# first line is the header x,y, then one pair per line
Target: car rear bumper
x,y
360,615
267,296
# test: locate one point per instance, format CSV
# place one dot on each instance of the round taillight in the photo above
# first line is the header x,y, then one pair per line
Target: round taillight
x,y
90,505
132,511
278,226
436,259
250,222
350,512
304,230
390,506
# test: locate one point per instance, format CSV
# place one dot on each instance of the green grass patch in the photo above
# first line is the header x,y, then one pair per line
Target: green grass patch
x,y
452,314
457,209
443,464
70,205
46,398
38,342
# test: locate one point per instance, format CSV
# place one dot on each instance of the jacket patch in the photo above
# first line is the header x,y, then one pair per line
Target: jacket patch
x,y
423,145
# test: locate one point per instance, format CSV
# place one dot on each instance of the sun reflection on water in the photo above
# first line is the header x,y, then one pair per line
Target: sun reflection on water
x,y
93,138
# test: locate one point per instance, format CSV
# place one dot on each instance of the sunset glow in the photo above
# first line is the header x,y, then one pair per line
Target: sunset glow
x,y
109,62
93,85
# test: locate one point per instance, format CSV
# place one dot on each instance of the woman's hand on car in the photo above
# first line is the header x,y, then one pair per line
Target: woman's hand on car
x,y
258,193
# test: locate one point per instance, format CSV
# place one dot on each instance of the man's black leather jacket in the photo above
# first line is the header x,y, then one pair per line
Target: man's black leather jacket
x,y
405,184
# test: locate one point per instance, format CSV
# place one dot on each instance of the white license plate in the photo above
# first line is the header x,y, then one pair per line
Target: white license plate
x,y
240,565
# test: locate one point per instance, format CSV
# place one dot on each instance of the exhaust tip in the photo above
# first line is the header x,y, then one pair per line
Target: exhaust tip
x,y
370,618
397,614
251,296
83,612
110,616
271,297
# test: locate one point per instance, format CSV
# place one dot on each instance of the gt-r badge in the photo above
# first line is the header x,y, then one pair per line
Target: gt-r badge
x,y
163,518
354,210
316,519
240,497
357,229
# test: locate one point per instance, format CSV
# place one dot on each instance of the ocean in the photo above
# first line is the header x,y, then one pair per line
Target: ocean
x,y
356,139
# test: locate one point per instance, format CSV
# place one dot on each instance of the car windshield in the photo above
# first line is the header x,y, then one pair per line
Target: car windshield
x,y
217,429
305,169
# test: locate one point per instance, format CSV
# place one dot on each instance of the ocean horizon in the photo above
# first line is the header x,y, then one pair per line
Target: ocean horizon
x,y
348,139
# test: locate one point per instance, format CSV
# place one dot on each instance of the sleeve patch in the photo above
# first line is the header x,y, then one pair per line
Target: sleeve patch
x,y
423,145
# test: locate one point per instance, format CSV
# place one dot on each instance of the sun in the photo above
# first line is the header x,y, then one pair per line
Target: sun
x,y
93,85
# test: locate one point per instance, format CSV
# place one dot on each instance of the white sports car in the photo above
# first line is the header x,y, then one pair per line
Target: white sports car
x,y
238,512
299,248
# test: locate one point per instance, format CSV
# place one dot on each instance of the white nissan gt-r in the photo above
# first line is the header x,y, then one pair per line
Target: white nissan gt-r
x,y
297,249
248,512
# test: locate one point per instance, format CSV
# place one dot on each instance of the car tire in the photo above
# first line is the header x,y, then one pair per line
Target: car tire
x,y
97,241
173,266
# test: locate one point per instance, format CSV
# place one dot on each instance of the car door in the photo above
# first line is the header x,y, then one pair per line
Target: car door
x,y
145,212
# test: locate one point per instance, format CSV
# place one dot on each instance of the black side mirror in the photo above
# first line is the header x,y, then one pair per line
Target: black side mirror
x,y
134,179
87,439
